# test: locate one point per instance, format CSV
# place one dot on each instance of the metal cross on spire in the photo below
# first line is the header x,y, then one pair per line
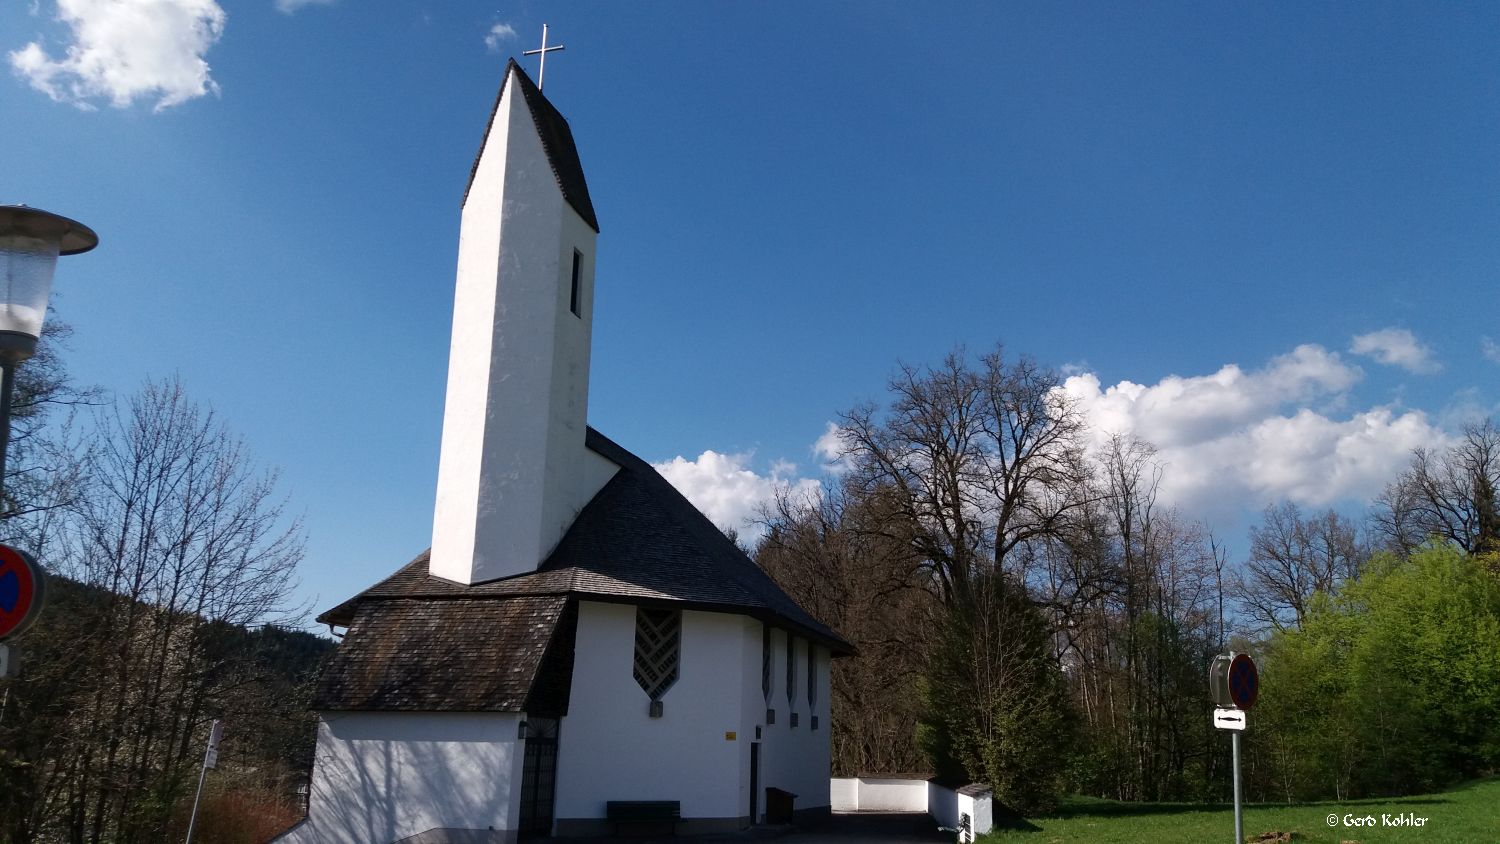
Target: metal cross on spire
x,y
542,71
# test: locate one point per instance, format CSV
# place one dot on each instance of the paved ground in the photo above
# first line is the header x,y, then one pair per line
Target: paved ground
x,y
844,828
889,828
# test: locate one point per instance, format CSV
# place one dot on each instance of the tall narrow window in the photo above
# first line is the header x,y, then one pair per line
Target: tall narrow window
x,y
812,676
765,662
658,650
573,304
791,669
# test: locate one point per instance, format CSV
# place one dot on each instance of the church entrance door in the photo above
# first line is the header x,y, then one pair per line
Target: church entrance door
x,y
754,782
538,777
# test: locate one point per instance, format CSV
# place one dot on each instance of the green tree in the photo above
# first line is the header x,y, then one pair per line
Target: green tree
x,y
997,705
1389,686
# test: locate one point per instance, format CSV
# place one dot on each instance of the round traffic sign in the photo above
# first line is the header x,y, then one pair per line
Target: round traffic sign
x,y
1244,681
22,585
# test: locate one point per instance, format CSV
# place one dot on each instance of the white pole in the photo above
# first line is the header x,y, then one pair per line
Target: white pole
x,y
541,71
199,796
1239,820
210,759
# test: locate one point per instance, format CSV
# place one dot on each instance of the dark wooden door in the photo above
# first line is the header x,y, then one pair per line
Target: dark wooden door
x,y
754,782
538,777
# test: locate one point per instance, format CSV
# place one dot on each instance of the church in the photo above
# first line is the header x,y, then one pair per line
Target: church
x,y
579,642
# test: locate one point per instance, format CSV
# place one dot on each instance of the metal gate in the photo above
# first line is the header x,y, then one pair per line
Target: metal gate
x,y
538,777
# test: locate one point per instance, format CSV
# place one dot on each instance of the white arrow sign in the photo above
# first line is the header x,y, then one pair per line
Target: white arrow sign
x,y
1229,719
211,756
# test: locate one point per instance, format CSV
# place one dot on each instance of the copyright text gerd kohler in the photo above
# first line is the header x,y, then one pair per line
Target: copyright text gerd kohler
x,y
1398,819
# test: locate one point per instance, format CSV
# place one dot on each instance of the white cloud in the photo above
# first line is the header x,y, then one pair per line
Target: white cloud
x,y
291,7
498,33
1396,347
1238,439
829,448
1490,349
120,51
728,491
1205,407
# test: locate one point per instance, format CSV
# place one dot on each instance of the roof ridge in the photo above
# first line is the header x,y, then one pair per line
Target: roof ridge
x,y
745,572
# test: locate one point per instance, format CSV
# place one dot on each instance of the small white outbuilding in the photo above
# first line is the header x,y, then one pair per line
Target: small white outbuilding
x,y
578,633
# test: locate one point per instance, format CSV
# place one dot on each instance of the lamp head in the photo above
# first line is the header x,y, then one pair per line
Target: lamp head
x,y
30,242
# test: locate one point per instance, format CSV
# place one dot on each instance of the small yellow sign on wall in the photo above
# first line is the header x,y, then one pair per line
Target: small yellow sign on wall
x,y
731,736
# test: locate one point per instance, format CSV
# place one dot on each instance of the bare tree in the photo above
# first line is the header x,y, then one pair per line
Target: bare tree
x,y
43,472
1449,495
976,463
981,462
1292,558
834,553
180,538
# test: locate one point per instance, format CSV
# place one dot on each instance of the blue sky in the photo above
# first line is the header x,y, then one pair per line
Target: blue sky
x,y
1264,236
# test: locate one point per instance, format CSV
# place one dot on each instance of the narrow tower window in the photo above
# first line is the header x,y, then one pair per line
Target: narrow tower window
x,y
577,273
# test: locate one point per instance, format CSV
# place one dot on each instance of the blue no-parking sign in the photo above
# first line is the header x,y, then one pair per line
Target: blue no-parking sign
x,y
22,589
1244,681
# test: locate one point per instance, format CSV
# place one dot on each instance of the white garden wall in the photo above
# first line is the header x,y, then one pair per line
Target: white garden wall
x,y
891,794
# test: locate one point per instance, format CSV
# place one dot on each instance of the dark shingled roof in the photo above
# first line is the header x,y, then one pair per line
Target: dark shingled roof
x,y
638,541
418,655
557,140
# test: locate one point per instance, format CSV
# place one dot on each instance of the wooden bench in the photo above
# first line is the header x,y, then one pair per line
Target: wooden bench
x,y
643,812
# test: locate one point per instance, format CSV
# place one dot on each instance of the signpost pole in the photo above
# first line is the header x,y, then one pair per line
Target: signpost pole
x,y
1234,685
210,760
1239,820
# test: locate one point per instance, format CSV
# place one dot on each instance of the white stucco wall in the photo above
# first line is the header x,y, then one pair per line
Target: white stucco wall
x,y
843,794
948,807
512,471
379,777
794,759
942,804
610,749
892,795
981,810
609,746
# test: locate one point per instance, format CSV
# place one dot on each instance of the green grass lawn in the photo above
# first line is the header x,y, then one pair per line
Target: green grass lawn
x,y
1467,814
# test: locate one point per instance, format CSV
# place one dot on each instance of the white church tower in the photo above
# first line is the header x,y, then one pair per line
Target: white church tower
x,y
514,471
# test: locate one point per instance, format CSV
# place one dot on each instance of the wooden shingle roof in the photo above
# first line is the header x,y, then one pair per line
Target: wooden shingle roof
x,y
458,655
417,641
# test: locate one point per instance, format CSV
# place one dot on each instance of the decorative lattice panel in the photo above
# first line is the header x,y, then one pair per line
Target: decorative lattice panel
x,y
658,650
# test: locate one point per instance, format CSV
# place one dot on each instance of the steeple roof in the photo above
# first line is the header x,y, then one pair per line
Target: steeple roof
x,y
557,140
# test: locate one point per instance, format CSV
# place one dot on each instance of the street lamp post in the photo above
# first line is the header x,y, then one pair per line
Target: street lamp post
x,y
30,242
